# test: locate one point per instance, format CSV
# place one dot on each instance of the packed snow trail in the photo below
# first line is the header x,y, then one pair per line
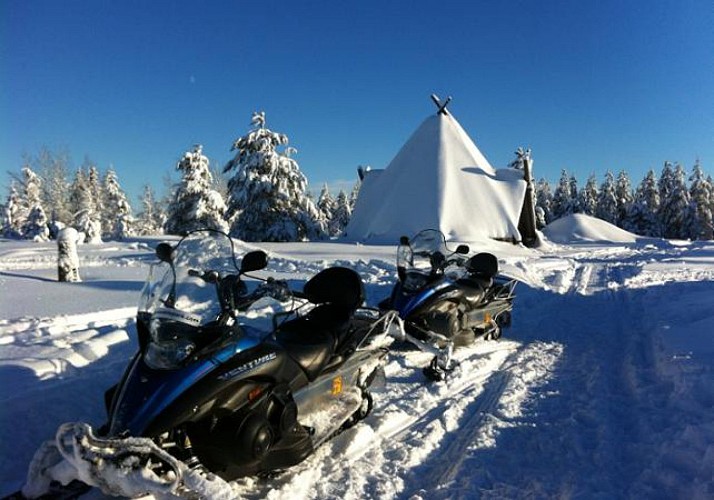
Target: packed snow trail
x,y
597,427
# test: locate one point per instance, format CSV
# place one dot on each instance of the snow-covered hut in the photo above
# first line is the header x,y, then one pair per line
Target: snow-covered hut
x,y
439,180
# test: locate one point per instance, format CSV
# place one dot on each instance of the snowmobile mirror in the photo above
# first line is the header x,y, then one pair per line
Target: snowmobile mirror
x,y
462,249
253,261
164,251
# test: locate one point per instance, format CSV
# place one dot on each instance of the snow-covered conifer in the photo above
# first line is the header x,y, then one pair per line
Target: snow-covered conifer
x,y
587,197
700,192
85,216
606,201
117,218
14,213
354,194
326,204
35,225
562,204
675,210
624,197
196,205
574,199
544,201
342,214
149,221
643,215
267,193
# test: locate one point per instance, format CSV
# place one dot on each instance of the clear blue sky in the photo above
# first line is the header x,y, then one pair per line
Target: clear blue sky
x,y
588,85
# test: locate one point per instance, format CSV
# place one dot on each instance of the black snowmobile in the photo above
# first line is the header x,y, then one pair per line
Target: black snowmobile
x,y
446,299
209,394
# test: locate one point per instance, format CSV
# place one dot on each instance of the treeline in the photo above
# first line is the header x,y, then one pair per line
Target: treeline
x,y
667,207
265,199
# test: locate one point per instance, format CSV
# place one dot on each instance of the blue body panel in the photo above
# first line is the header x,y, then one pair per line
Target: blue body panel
x,y
146,393
405,303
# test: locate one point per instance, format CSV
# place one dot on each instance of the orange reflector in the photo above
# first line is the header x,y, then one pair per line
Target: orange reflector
x,y
255,393
487,317
337,385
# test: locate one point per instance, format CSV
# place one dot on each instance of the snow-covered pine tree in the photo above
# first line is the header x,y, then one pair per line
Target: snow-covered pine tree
x,y
116,216
35,225
14,213
196,205
81,202
643,216
96,190
544,202
342,214
665,185
574,200
149,221
624,197
354,194
587,197
326,204
606,201
267,193
700,192
562,204
675,210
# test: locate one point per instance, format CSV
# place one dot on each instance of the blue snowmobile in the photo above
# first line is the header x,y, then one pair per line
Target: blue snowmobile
x,y
445,299
208,394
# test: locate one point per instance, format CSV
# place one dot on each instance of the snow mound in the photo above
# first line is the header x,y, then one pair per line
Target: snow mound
x,y
577,228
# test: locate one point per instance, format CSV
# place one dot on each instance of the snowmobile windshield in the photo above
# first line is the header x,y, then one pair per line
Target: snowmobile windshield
x,y
428,247
181,287
423,258
181,296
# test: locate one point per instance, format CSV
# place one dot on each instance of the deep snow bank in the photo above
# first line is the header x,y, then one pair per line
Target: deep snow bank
x,y
579,227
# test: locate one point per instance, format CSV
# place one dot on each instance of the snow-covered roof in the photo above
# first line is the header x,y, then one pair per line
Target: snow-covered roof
x,y
439,180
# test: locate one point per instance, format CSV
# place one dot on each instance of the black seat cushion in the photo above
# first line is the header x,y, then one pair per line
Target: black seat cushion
x,y
313,339
482,265
338,286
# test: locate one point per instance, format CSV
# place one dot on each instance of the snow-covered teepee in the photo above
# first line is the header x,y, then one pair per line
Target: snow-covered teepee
x,y
439,180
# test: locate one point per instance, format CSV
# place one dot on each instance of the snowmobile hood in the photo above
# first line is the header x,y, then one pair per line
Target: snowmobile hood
x,y
146,393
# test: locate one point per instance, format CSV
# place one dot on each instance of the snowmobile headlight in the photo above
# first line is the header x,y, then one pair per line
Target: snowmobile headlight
x,y
168,355
169,345
415,280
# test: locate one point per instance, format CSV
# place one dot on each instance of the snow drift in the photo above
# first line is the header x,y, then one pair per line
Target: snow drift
x,y
583,228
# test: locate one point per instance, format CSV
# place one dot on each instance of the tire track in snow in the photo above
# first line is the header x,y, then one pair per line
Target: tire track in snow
x,y
453,456
356,463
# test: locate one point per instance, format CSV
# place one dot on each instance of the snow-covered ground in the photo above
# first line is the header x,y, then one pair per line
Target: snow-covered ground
x,y
602,388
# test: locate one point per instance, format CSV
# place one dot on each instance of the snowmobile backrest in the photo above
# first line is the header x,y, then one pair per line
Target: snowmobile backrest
x,y
482,265
339,286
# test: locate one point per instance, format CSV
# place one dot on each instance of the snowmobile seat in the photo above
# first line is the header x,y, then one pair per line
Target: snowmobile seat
x,y
473,289
482,268
313,339
308,343
338,286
